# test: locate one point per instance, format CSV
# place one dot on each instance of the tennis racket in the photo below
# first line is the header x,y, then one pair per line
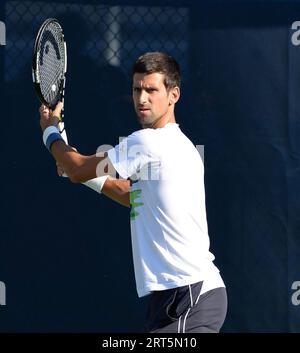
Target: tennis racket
x,y
49,67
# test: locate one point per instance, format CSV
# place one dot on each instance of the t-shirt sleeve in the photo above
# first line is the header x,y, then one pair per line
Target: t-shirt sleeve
x,y
130,156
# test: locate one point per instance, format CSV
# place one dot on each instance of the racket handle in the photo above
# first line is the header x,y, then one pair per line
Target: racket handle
x,y
61,127
62,130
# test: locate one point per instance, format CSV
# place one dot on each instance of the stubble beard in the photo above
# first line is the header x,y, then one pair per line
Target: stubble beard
x,y
146,121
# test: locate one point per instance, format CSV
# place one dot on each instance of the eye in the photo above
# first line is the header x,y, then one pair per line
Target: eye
x,y
151,90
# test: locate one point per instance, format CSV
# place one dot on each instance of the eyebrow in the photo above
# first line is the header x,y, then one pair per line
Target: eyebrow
x,y
145,88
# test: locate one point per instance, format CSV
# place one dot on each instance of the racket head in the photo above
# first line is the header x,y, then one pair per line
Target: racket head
x,y
49,63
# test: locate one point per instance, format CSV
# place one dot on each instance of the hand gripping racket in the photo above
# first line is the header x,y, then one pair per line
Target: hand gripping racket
x,y
49,66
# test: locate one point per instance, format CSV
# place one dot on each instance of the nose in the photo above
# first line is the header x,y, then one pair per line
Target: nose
x,y
143,97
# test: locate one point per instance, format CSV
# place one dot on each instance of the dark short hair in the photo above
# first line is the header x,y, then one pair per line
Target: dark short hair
x,y
157,62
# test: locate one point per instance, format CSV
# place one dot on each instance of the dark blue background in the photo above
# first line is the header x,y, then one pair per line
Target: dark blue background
x,y
65,252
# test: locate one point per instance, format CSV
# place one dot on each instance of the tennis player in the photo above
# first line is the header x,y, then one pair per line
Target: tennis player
x,y
162,180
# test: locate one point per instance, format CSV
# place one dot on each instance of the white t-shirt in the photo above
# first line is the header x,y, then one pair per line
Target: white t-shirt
x,y
169,234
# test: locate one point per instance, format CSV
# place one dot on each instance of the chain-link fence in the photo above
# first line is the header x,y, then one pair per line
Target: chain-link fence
x,y
114,35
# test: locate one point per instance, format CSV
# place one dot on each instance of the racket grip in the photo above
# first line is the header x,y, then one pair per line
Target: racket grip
x,y
62,130
61,127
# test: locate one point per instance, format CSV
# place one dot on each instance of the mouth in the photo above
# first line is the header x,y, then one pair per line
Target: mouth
x,y
143,110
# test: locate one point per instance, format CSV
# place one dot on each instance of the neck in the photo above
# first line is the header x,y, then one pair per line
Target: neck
x,y
161,122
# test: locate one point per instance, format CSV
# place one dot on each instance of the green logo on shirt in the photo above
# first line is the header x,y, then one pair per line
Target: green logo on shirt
x,y
133,196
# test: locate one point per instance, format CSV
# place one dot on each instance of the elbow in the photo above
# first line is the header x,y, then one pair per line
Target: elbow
x,y
75,177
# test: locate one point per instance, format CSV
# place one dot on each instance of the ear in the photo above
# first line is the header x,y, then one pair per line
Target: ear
x,y
174,95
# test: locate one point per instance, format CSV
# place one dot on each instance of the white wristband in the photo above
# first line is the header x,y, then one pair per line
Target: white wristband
x,y
96,184
48,131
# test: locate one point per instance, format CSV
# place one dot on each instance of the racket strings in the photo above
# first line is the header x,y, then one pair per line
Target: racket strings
x,y
51,63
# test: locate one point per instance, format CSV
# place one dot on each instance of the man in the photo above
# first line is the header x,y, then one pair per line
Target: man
x,y
163,183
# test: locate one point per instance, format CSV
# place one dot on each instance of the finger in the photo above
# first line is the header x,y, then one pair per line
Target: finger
x,y
58,109
44,115
44,110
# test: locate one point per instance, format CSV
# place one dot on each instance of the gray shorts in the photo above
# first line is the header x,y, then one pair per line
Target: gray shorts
x,y
184,310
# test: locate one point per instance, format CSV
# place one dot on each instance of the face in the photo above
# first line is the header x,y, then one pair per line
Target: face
x,y
152,101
